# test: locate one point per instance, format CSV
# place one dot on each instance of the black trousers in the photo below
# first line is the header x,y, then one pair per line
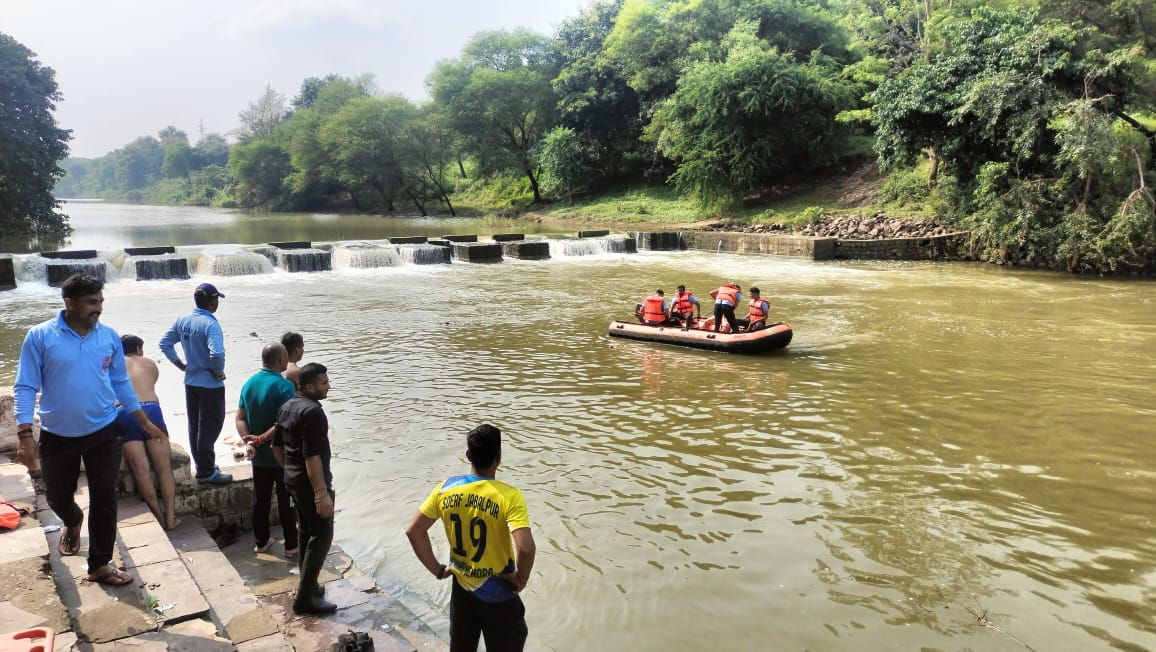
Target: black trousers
x,y
60,459
722,310
265,480
314,536
503,624
206,411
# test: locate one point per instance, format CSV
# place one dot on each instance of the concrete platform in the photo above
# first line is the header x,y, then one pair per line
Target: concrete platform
x,y
187,593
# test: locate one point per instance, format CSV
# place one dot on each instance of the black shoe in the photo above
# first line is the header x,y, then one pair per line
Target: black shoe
x,y
319,591
313,605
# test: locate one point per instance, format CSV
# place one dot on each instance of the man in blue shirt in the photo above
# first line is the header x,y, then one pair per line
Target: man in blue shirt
x,y
261,396
77,365
200,336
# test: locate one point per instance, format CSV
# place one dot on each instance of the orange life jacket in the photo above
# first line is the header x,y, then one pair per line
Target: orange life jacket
x,y
756,313
727,293
682,303
652,309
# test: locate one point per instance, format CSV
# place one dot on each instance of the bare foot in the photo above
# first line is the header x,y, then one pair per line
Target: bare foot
x,y
173,523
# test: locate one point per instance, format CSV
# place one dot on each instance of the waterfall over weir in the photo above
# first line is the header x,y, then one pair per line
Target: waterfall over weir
x,y
150,268
304,260
233,263
562,247
36,269
424,254
363,255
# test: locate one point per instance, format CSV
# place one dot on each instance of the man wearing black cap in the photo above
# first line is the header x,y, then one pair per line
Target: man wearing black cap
x,y
203,342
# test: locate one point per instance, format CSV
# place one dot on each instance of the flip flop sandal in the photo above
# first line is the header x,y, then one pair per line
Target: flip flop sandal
x,y
113,576
69,544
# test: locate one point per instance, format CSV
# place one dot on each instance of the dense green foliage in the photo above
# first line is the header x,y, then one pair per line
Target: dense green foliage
x,y
31,145
1027,123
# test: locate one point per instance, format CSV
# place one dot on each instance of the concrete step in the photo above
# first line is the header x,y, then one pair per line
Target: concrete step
x,y
169,589
234,609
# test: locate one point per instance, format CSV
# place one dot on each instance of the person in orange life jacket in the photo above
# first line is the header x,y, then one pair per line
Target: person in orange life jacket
x,y
725,300
653,310
684,306
756,318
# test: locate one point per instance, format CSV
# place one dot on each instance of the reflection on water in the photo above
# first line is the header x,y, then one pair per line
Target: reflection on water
x,y
939,441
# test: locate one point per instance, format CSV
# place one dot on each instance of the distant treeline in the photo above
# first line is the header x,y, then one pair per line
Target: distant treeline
x,y
1028,123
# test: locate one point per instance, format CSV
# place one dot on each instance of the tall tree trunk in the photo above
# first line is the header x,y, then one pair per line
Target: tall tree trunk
x,y
932,168
461,167
533,185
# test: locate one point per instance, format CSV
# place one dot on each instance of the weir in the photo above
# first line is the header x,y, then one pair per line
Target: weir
x,y
424,254
233,263
304,260
151,268
363,255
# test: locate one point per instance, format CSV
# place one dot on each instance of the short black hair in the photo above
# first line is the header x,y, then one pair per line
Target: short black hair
x,y
484,444
310,372
682,287
203,300
292,341
131,344
659,292
754,290
80,285
271,354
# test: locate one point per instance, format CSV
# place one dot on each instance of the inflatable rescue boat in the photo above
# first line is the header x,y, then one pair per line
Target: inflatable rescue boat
x,y
701,335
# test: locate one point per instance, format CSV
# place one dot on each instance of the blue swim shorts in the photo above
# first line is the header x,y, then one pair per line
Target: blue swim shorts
x,y
131,427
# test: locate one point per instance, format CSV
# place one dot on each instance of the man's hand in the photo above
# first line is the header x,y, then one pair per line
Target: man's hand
x,y
28,452
518,582
324,505
153,431
220,376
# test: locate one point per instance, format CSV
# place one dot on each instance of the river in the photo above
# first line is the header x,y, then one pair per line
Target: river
x,y
947,456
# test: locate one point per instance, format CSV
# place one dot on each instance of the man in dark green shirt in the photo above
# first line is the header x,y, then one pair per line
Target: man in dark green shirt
x,y
261,396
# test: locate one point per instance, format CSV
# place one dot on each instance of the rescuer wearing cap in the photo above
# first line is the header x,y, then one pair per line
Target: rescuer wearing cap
x,y
199,334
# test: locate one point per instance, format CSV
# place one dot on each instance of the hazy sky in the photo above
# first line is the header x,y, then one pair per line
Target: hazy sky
x,y
128,68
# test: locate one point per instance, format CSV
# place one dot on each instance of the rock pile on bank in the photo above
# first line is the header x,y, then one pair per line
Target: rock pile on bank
x,y
859,227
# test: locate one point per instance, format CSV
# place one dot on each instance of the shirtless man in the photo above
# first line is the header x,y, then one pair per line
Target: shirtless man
x,y
143,373
295,345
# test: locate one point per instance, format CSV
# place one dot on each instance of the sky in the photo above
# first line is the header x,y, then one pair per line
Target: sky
x,y
128,68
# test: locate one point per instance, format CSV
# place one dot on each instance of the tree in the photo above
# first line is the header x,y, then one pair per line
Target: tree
x,y
595,103
262,115
260,168
427,151
564,164
498,96
31,144
735,125
362,143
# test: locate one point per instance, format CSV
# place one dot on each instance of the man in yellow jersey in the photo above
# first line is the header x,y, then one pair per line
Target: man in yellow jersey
x,y
491,548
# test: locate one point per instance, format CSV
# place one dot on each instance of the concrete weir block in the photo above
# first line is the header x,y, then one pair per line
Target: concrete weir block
x,y
150,267
75,254
508,237
305,260
295,244
149,251
475,252
7,273
660,241
460,238
593,234
57,271
440,242
532,250
408,239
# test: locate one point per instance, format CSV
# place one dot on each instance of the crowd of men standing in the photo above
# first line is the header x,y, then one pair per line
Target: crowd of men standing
x,y
98,404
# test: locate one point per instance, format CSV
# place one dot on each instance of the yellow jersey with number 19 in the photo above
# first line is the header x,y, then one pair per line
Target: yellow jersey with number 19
x,y
479,514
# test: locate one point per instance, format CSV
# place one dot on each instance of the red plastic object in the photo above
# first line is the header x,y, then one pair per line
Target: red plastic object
x,y
39,639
